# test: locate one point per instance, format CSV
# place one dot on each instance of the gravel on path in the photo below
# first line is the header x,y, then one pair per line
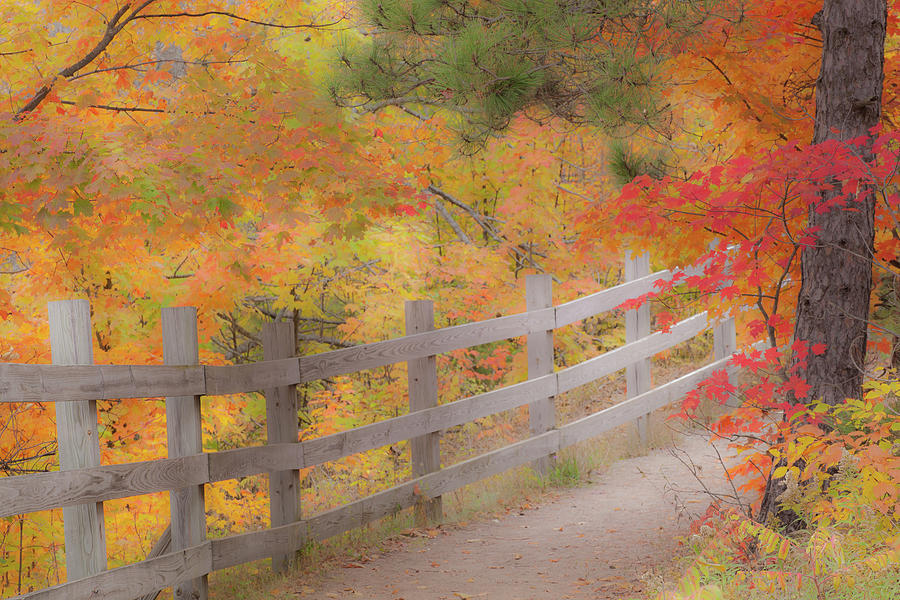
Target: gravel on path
x,y
590,542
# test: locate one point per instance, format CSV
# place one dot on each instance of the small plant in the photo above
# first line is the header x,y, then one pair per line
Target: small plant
x,y
841,465
565,473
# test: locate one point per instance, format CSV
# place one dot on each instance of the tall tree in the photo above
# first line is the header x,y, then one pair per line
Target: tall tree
x,y
833,304
601,62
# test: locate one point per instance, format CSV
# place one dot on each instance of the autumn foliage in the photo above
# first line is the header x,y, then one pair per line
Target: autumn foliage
x,y
196,161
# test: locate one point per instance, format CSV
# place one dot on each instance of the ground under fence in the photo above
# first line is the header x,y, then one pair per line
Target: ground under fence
x,y
184,557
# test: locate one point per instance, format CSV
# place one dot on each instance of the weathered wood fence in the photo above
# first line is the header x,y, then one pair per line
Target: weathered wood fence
x,y
83,484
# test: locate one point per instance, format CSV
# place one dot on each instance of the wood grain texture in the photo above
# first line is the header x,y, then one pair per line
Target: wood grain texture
x,y
76,428
253,546
621,357
183,427
724,338
58,383
637,326
606,300
491,463
43,491
425,450
368,356
243,462
26,493
248,547
390,431
135,580
541,412
390,501
253,377
162,546
282,427
148,576
725,344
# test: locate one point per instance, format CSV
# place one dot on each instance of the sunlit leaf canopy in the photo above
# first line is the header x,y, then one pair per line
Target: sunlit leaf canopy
x,y
112,107
193,161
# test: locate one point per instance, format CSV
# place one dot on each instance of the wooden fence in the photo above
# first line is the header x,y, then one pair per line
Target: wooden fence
x,y
183,561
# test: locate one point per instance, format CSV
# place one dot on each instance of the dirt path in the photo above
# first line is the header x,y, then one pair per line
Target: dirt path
x,y
590,542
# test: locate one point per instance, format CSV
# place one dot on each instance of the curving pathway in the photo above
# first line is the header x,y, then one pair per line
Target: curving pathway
x,y
591,542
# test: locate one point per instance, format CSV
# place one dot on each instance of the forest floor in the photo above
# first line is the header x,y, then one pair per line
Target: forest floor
x,y
607,538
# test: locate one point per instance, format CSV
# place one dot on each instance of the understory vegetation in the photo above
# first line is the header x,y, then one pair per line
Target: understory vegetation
x,y
324,162
841,465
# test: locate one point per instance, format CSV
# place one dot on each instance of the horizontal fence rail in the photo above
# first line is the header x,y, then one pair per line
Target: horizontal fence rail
x,y
27,493
168,569
191,562
60,383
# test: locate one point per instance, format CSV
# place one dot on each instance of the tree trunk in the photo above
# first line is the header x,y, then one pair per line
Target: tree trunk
x,y
836,282
833,304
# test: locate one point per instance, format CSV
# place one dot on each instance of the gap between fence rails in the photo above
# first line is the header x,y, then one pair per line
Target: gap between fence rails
x,y
132,580
194,558
26,493
49,383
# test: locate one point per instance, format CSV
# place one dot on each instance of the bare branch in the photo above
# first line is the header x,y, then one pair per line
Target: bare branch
x,y
136,66
230,15
113,27
476,216
15,52
119,108
523,256
460,234
324,340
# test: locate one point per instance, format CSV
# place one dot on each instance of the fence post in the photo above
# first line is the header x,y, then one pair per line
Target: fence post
x,y
282,426
183,427
425,451
541,413
725,343
637,326
76,431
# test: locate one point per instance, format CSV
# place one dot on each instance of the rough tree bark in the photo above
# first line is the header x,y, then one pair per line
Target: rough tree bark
x,y
833,303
